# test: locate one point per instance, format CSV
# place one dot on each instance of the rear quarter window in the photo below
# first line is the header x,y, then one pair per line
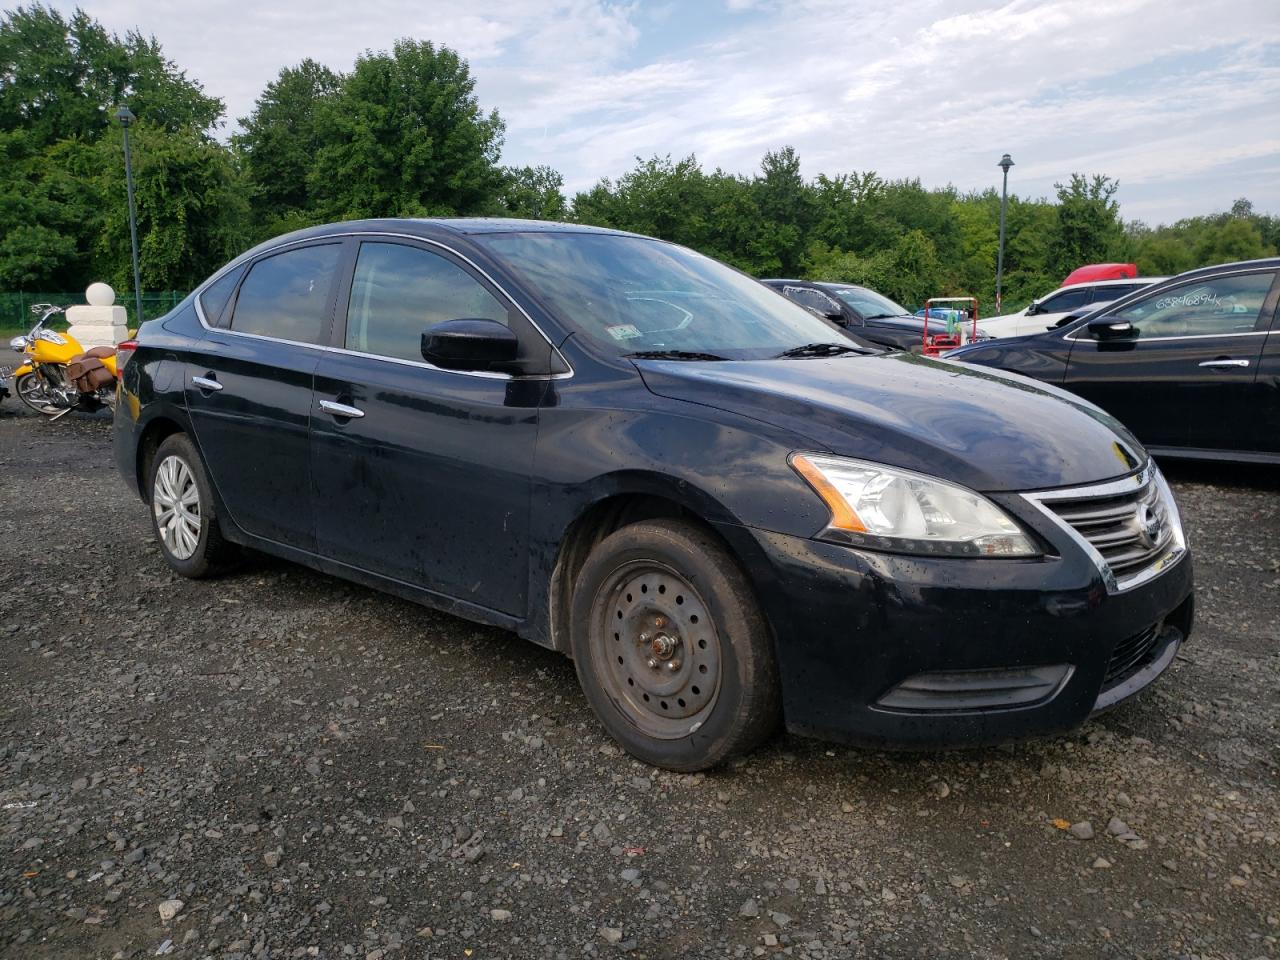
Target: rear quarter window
x,y
215,297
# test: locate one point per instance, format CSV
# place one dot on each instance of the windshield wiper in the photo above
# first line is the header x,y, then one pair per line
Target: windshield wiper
x,y
673,355
884,316
821,350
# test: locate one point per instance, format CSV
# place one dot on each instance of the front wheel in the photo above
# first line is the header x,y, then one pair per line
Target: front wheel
x,y
671,648
31,391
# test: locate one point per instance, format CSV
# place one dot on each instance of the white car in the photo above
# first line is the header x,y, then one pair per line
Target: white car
x,y
1045,312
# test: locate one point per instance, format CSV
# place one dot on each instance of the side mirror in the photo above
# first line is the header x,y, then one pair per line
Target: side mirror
x,y
1033,308
1111,328
471,344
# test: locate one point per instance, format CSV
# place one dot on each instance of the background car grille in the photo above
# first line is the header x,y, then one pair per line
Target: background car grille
x,y
1131,530
1130,656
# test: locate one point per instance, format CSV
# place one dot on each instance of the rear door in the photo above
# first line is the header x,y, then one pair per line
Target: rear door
x,y
1188,376
422,474
249,385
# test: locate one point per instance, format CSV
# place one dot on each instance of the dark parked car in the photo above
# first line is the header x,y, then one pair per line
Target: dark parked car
x,y
864,313
1190,365
722,510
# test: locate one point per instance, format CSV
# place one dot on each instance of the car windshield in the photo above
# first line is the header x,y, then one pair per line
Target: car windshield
x,y
868,303
634,296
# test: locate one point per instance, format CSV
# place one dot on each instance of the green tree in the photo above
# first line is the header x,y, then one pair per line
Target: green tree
x,y
405,136
535,193
1088,228
62,77
46,211
280,139
1236,239
192,212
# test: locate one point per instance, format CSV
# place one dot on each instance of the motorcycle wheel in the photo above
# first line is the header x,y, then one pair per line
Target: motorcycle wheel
x,y
32,393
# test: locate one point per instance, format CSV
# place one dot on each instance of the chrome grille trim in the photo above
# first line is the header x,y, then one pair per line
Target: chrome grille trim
x,y
1114,523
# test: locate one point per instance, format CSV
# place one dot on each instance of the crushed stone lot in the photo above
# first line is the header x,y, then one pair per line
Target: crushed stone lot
x,y
280,764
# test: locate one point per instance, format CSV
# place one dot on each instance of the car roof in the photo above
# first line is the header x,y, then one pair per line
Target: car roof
x,y
1264,263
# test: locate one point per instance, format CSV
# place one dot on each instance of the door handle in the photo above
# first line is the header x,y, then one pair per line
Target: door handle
x,y
206,383
341,409
1225,363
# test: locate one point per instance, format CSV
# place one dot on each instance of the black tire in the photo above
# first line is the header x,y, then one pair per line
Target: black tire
x,y
23,385
705,619
210,553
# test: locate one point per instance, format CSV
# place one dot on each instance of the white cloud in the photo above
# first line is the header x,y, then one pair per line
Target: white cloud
x,y
1177,98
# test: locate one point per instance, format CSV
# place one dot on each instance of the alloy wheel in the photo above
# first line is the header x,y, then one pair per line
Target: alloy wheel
x,y
33,393
659,650
175,499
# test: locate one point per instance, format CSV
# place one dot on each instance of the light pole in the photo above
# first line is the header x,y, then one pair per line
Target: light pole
x,y
126,117
1005,163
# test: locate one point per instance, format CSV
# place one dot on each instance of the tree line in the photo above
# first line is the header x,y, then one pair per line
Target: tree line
x,y
402,134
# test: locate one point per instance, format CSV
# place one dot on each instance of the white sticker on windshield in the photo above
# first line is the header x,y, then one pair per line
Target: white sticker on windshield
x,y
623,331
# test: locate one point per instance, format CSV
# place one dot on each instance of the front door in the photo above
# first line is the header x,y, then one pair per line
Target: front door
x,y
421,474
1187,377
248,389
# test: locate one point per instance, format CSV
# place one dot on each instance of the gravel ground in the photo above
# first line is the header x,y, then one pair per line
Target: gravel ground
x,y
279,764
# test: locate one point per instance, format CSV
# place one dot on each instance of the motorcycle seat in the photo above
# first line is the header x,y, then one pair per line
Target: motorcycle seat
x,y
98,353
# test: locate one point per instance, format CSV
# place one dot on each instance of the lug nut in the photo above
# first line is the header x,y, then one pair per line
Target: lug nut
x,y
653,664
673,665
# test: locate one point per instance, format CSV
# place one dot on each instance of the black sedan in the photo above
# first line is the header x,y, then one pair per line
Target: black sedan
x,y
1190,365
726,513
867,315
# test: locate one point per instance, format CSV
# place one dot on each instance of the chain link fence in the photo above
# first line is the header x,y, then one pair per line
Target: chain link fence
x,y
15,306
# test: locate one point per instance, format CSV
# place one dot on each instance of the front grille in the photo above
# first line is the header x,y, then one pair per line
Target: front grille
x,y
1131,655
1131,530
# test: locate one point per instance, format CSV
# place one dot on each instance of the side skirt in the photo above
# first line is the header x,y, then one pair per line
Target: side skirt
x,y
406,591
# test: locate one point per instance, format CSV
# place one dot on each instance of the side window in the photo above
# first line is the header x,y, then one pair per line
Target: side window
x,y
1114,291
398,291
1216,306
813,299
215,296
287,295
1067,300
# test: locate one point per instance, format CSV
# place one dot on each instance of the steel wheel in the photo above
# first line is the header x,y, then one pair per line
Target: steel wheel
x,y
31,391
175,498
662,650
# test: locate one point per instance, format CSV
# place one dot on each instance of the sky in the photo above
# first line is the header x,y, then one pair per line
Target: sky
x,y
1177,99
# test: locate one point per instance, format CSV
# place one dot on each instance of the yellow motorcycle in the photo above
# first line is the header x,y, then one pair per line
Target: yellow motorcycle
x,y
57,374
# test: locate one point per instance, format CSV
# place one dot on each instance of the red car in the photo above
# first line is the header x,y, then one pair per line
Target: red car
x,y
1101,271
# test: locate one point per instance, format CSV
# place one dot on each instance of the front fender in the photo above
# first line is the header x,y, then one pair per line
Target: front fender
x,y
23,370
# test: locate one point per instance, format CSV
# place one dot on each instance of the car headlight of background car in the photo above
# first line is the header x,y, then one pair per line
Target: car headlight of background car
x,y
889,509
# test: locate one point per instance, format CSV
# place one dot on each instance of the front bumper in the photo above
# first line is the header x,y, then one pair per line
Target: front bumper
x,y
900,651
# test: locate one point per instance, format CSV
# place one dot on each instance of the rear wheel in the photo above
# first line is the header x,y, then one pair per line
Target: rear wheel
x,y
671,649
183,514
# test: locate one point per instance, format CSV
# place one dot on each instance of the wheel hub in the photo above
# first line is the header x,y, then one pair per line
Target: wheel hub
x,y
661,650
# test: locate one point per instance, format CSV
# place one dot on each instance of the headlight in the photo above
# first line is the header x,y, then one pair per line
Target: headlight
x,y
889,509
18,344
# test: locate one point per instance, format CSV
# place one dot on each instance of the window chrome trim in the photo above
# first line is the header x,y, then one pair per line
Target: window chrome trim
x,y
1135,481
485,374
1185,336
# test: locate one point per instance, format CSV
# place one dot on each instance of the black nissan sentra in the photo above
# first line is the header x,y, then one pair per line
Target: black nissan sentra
x,y
726,513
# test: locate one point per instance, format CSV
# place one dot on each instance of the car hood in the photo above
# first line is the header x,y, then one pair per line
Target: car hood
x,y
989,430
906,322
